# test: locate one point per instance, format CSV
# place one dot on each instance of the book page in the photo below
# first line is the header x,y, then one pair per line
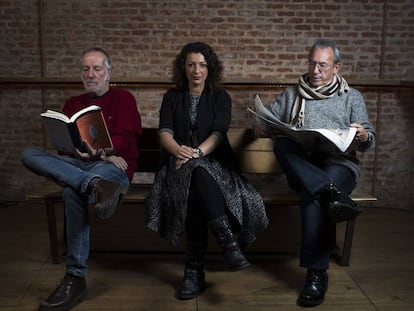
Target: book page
x,y
55,115
84,111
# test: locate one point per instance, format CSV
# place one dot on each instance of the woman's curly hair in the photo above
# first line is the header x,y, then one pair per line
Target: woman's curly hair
x,y
214,65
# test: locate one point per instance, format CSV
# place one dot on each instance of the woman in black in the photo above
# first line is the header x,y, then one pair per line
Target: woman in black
x,y
197,187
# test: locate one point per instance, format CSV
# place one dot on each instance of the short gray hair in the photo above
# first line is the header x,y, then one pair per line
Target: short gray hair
x,y
326,43
108,60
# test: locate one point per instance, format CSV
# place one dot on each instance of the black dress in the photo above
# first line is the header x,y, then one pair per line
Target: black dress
x,y
167,200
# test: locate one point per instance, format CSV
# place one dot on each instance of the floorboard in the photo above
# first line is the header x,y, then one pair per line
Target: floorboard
x,y
381,275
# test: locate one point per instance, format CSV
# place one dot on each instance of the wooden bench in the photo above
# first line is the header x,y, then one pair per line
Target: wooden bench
x,y
255,158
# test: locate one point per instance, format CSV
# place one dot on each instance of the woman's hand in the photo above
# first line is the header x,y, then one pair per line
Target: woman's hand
x,y
179,163
184,152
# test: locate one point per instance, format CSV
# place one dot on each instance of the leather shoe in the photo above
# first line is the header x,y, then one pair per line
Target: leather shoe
x,y
193,284
105,197
316,285
70,291
340,206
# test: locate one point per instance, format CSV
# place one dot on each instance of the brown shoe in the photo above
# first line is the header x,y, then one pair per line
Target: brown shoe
x,y
107,196
69,293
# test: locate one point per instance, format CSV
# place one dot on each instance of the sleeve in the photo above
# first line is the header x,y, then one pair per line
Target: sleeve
x,y
359,114
126,127
282,106
166,112
222,116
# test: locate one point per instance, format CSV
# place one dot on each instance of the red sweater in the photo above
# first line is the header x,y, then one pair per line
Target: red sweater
x,y
122,118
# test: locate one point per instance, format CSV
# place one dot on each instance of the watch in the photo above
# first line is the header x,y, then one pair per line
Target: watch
x,y
197,153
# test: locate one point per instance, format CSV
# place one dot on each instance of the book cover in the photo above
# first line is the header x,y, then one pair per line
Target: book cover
x,y
311,139
66,134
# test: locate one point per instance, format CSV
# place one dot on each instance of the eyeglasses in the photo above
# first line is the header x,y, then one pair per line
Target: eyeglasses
x,y
321,66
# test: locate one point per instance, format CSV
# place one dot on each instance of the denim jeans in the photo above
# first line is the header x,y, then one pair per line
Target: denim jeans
x,y
74,176
307,176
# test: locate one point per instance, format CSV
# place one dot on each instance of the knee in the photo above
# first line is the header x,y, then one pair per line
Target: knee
x,y
29,153
199,175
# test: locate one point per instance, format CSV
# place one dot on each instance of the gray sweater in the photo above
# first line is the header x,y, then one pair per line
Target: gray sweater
x,y
339,111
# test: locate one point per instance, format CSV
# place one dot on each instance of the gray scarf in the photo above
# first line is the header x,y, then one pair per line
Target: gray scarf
x,y
306,91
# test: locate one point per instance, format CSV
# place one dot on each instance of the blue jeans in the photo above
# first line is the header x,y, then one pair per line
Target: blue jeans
x,y
74,176
307,176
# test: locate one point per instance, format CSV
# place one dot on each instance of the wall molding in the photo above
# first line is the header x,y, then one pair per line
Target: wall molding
x,y
61,82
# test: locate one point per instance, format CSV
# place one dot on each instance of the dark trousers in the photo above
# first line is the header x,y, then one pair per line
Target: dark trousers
x,y
205,203
307,176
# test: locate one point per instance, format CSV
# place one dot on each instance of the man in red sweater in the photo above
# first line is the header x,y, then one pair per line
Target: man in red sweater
x,y
90,178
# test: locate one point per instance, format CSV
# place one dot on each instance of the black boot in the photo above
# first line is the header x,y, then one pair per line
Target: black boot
x,y
340,206
193,280
231,251
316,285
70,291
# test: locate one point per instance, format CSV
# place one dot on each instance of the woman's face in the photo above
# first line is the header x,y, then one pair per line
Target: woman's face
x,y
196,70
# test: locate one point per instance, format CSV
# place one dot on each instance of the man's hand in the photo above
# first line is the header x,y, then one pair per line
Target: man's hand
x,y
119,162
361,134
89,154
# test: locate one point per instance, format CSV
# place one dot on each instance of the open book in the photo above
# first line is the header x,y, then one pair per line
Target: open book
x,y
66,134
330,140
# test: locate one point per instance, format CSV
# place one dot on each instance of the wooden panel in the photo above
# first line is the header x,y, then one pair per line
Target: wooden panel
x,y
257,162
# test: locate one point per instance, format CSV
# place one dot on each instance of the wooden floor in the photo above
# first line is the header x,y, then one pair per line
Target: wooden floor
x,y
381,275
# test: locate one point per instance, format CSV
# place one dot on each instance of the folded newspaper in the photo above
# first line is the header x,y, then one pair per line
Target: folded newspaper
x,y
329,140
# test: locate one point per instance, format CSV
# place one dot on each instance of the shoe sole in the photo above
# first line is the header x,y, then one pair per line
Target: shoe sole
x,y
75,302
238,268
310,304
188,297
106,210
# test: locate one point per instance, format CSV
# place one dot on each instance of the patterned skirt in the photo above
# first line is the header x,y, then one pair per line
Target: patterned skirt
x,y
167,200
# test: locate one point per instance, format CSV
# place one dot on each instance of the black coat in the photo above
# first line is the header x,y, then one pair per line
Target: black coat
x,y
214,115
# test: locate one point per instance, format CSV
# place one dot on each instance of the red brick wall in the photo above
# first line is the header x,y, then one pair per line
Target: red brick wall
x,y
256,40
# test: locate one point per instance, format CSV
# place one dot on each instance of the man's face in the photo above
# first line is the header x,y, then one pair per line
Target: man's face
x,y
95,74
321,67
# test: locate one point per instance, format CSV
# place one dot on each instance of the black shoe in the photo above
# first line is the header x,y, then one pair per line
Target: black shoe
x,y
340,206
105,197
193,284
193,281
70,291
316,285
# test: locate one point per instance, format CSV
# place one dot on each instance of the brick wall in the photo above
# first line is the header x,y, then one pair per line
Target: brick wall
x,y
256,40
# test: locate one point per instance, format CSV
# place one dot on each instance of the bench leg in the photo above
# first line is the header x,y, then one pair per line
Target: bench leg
x,y
53,235
346,249
342,255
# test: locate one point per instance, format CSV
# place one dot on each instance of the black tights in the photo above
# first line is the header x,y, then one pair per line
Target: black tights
x,y
205,203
